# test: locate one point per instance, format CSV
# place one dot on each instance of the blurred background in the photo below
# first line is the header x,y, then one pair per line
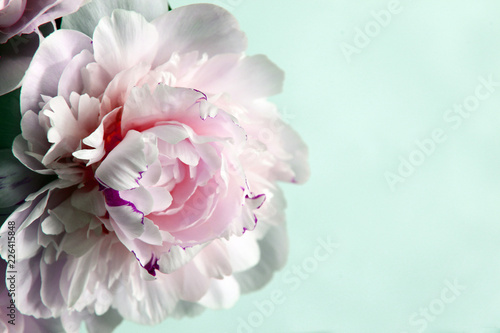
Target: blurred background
x,y
398,229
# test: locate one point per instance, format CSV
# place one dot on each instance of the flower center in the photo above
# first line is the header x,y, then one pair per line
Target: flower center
x,y
113,134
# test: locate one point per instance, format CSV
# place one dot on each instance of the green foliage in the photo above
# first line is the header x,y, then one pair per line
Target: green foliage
x,y
10,111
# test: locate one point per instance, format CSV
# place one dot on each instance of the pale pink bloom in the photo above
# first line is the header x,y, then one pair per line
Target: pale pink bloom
x,y
11,320
19,23
25,16
166,154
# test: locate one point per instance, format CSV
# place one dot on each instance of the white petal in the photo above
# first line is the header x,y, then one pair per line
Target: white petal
x,y
151,234
151,176
222,294
162,199
50,292
172,133
144,109
77,272
48,64
183,150
119,88
28,286
177,257
140,197
293,144
124,40
95,79
244,252
247,79
77,243
121,169
202,27
87,17
91,202
71,321
20,149
213,260
52,226
274,252
127,219
96,140
72,218
71,78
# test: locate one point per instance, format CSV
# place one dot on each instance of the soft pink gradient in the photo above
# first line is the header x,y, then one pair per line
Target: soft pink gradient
x,y
167,155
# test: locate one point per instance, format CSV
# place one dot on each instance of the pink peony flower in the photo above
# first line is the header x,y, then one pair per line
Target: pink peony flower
x,y
167,156
19,34
25,16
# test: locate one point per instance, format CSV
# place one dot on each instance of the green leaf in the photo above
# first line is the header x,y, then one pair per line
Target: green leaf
x,y
86,18
10,110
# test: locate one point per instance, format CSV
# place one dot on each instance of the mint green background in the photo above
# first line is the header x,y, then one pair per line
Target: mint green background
x,y
396,249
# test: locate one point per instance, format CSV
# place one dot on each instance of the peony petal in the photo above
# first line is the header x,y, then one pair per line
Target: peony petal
x,y
151,234
52,226
40,12
183,150
213,260
95,79
119,88
222,294
28,287
71,321
162,199
87,17
150,302
35,132
71,78
141,198
72,218
127,219
77,243
274,252
204,28
50,293
245,80
103,323
144,109
77,273
177,257
152,175
96,140
26,247
124,40
244,252
48,64
11,12
91,202
121,169
65,132
293,144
